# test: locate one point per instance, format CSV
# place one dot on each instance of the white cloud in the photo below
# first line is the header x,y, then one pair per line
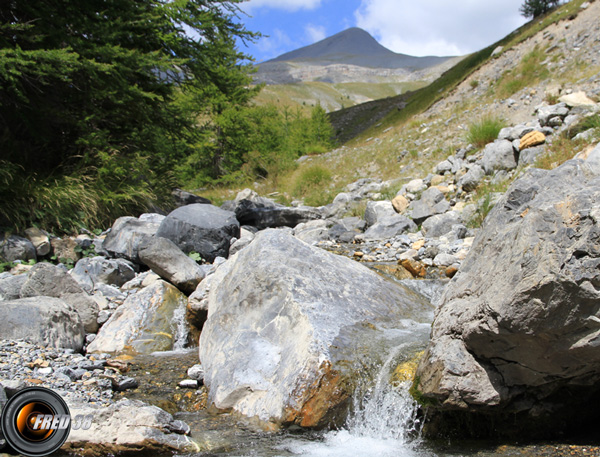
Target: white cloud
x,y
438,27
315,33
286,5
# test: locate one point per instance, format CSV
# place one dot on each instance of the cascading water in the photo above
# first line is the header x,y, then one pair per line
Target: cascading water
x,y
181,328
384,422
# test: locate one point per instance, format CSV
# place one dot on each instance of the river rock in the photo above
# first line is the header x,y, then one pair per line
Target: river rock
x,y
204,229
39,239
45,279
128,233
264,214
15,247
314,231
499,155
440,224
165,259
432,202
128,426
516,337
287,324
376,211
389,227
47,321
144,323
89,272
10,286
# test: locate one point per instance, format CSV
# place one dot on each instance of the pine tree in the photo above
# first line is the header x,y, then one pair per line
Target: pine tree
x,y
112,90
535,8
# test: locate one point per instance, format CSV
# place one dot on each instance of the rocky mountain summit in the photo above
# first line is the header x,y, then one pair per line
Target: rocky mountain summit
x,y
352,55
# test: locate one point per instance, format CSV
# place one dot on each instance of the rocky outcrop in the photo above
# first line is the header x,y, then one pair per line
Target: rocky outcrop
x,y
201,228
287,327
128,233
165,259
45,279
517,333
47,321
128,426
144,323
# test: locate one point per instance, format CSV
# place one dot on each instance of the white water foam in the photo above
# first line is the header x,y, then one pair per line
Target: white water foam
x,y
384,423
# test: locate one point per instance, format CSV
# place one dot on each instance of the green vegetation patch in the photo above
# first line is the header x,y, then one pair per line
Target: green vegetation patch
x,y
485,131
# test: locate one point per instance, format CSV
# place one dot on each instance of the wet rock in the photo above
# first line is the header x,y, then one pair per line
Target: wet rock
x,y
48,321
14,247
127,426
188,384
123,384
144,322
92,271
128,233
169,262
204,229
498,155
516,335
282,315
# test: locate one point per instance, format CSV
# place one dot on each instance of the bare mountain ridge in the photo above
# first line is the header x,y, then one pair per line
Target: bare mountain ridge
x,y
349,56
355,46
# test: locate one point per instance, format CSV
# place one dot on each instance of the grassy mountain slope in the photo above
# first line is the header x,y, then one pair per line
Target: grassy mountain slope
x,y
379,140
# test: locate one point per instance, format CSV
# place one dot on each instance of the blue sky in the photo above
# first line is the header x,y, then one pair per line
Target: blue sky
x,y
426,27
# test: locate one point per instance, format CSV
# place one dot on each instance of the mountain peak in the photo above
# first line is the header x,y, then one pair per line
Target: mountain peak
x,y
354,46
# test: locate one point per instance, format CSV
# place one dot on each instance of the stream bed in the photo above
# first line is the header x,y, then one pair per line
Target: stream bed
x,y
384,423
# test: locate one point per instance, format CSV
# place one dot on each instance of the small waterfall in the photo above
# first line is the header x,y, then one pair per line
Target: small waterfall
x,y
386,411
180,327
384,422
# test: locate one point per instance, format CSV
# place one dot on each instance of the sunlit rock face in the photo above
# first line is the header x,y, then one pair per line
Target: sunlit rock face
x,y
291,326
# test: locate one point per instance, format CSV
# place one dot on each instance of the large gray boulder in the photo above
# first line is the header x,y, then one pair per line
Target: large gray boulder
x,y
47,321
288,325
45,279
15,247
472,178
165,259
499,155
128,426
378,210
266,214
90,272
148,321
517,335
128,233
10,286
201,228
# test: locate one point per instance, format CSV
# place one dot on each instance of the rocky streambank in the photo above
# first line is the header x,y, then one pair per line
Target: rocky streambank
x,y
287,330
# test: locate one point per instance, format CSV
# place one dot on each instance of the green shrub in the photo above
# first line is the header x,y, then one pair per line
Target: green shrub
x,y
485,131
312,178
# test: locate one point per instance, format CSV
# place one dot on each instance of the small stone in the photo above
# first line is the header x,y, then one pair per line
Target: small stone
x,y
415,268
451,271
120,385
400,203
196,372
418,245
189,384
358,254
47,370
